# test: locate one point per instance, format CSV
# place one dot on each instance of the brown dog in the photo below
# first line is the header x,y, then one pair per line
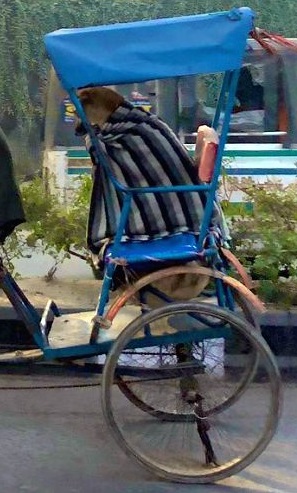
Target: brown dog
x,y
102,105
99,103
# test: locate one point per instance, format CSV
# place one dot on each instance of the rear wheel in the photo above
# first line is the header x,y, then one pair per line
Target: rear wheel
x,y
208,441
208,356
192,283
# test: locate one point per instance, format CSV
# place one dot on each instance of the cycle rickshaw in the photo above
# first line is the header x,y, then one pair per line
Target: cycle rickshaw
x,y
189,389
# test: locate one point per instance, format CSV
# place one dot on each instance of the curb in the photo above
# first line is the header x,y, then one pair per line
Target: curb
x,y
271,318
13,331
278,327
279,318
9,313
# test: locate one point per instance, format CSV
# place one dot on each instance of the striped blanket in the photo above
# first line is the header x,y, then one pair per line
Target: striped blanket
x,y
142,151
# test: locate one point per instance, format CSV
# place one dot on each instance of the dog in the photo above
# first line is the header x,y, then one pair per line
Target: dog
x,y
141,150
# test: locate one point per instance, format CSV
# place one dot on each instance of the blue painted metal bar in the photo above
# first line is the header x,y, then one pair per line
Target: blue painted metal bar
x,y
211,196
220,292
169,189
24,308
99,348
110,268
221,100
10,286
229,298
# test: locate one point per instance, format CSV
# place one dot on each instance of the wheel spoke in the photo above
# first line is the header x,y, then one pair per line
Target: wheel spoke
x,y
203,415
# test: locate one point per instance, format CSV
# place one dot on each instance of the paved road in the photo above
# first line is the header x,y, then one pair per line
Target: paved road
x,y
56,441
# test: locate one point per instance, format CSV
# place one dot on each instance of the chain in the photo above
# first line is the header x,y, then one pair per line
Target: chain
x,y
48,387
73,386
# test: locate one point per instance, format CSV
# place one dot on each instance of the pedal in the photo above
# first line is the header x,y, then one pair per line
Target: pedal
x,y
50,312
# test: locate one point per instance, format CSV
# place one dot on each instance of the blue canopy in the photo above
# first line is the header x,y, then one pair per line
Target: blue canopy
x,y
147,50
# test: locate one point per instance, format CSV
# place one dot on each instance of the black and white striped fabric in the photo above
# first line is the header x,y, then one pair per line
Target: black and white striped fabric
x,y
142,151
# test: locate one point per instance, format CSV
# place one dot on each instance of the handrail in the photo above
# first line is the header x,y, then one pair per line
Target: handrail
x,y
168,189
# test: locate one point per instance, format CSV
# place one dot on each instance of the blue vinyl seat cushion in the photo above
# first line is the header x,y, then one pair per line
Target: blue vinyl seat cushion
x,y
179,247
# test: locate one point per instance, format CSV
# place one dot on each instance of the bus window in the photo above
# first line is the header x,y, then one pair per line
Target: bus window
x,y
59,128
249,93
197,101
288,115
264,110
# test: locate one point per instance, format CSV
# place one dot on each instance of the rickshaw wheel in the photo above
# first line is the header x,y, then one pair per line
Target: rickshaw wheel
x,y
207,446
136,392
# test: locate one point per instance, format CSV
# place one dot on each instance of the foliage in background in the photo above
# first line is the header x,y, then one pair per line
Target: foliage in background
x,y
51,227
58,227
23,66
23,76
264,236
265,239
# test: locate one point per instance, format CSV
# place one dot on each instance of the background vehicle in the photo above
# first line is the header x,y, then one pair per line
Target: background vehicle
x,y
262,141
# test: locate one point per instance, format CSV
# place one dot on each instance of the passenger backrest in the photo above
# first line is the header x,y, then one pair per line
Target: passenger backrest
x,y
207,142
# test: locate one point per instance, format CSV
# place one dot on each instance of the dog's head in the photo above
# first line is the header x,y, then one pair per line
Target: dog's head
x,y
98,103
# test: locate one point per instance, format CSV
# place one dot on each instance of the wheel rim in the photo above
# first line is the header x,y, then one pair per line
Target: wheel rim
x,y
137,394
175,450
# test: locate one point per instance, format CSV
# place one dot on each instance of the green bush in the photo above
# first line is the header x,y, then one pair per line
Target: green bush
x,y
263,229
51,226
265,239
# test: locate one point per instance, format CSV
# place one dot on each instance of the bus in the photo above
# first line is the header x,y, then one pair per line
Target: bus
x,y
262,143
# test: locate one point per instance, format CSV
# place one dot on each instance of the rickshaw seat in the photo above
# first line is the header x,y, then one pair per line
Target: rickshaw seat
x,y
178,247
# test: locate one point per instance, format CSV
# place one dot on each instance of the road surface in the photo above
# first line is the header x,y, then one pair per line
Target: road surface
x,y
56,441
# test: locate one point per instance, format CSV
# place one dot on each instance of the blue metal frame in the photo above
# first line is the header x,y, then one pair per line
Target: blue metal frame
x,y
225,34
225,103
33,321
228,89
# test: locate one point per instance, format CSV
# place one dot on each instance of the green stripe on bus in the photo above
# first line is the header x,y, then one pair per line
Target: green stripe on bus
x,y
77,154
257,153
79,171
81,154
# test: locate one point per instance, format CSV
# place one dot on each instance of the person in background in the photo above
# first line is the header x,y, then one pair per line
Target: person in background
x,y
11,207
249,95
